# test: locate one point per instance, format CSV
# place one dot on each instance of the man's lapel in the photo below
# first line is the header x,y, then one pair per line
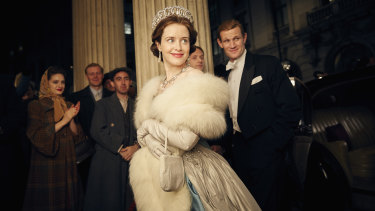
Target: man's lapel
x,y
89,96
118,112
247,76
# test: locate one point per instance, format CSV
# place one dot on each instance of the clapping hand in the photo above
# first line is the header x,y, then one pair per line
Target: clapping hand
x,y
72,112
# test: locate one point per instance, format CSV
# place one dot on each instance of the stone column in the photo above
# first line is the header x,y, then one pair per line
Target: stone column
x,y
143,13
98,36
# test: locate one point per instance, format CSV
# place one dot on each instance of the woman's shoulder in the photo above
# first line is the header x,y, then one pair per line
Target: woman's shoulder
x,y
40,104
190,71
155,81
150,86
206,79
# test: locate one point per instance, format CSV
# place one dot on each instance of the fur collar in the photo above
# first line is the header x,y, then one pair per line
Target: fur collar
x,y
196,102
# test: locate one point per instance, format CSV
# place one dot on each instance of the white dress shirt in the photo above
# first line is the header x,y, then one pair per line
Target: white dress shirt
x,y
98,94
124,104
234,81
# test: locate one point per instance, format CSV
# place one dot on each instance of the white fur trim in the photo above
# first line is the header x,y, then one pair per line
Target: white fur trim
x,y
197,102
148,194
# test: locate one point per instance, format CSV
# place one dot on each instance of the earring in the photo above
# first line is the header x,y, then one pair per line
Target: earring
x,y
159,59
188,62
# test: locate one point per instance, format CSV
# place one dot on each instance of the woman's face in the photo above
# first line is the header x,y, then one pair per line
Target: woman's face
x,y
174,45
57,84
197,59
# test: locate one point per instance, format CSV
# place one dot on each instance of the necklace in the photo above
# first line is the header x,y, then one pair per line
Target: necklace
x,y
170,81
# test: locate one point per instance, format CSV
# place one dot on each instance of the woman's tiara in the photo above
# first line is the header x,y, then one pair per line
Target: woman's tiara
x,y
169,11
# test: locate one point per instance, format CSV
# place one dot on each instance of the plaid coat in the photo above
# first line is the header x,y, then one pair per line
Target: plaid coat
x,y
53,182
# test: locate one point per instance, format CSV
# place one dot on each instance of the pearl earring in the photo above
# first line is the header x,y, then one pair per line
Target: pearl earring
x,y
159,59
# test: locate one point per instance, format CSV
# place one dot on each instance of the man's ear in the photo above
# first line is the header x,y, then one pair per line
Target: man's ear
x,y
244,38
219,43
112,83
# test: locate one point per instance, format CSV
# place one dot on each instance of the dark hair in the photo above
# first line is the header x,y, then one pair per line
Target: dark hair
x,y
94,65
159,29
52,70
228,25
197,47
121,69
107,76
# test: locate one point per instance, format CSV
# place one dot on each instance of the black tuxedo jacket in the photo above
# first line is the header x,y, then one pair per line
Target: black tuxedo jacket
x,y
268,109
87,100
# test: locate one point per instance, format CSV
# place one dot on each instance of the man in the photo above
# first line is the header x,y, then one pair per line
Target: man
x,y
264,110
115,136
88,97
107,82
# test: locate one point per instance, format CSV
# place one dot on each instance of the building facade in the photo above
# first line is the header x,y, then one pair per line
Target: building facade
x,y
328,36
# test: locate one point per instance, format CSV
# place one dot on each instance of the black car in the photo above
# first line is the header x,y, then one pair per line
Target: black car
x,y
334,150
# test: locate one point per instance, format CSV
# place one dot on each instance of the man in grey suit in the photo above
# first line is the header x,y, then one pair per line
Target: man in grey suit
x,y
264,110
88,98
115,136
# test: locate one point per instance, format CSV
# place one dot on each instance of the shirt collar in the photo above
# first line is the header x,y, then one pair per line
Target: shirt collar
x,y
232,65
94,91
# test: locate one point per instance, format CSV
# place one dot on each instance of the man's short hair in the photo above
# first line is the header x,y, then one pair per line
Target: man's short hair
x,y
228,25
107,76
121,69
94,65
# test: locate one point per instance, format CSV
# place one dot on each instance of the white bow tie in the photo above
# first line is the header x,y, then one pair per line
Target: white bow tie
x,y
230,65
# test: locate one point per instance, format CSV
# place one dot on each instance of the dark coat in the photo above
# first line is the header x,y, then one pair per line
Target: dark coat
x,y
268,112
53,182
108,186
87,100
12,120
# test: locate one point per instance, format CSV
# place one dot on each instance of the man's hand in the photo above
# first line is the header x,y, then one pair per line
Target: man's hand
x,y
128,152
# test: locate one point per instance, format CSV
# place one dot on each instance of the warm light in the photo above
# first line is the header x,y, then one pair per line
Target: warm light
x,y
292,80
128,28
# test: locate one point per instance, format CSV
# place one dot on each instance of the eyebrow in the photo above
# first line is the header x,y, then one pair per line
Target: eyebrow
x,y
119,77
175,37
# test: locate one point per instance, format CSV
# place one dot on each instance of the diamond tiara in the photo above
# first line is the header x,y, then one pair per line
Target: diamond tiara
x,y
169,11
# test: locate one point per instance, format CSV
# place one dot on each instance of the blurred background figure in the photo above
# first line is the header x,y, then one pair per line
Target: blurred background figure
x,y
88,98
107,82
27,92
196,59
11,179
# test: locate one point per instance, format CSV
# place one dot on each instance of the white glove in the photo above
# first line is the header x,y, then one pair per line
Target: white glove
x,y
182,139
141,133
154,146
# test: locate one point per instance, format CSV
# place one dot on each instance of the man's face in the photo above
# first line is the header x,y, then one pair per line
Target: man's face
x,y
108,85
94,76
233,43
121,82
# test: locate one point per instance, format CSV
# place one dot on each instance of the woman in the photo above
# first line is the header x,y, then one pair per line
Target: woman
x,y
196,59
53,180
182,107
